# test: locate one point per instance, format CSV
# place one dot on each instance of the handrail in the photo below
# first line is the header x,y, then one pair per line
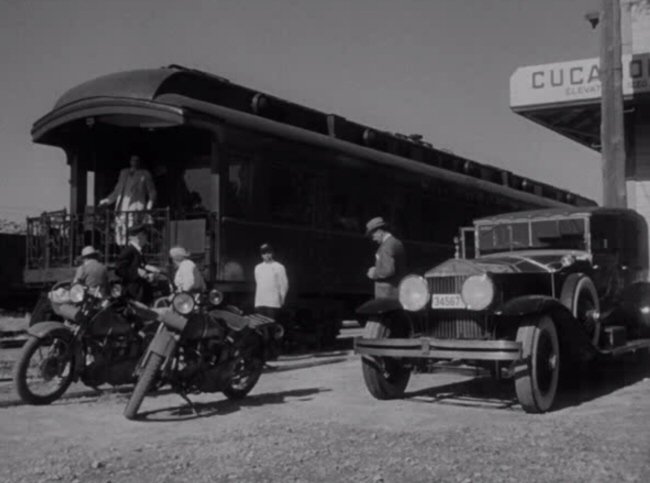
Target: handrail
x,y
55,239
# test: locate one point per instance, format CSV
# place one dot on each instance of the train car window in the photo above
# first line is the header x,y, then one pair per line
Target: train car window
x,y
238,192
198,182
291,195
344,200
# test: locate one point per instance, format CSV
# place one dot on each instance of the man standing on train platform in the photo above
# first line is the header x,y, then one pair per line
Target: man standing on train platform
x,y
132,269
271,284
134,192
390,259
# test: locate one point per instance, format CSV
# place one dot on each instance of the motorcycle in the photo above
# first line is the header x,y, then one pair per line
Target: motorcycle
x,y
100,340
202,346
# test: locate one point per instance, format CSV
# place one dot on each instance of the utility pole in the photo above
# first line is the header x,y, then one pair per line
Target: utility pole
x,y
612,129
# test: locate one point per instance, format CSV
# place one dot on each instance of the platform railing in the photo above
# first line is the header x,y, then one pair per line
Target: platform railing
x,y
55,239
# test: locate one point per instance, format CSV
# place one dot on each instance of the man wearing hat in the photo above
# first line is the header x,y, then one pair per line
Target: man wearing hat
x,y
92,273
131,267
271,284
187,277
390,259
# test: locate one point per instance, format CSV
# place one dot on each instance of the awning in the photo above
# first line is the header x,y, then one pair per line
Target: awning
x,y
565,96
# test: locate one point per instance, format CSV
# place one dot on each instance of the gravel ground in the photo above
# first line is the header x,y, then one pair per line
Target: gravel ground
x,y
320,424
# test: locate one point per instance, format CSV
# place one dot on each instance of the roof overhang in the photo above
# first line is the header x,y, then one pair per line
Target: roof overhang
x,y
565,96
85,114
124,99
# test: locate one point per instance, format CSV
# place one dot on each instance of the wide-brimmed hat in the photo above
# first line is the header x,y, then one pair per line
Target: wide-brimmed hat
x,y
375,224
135,229
88,251
178,252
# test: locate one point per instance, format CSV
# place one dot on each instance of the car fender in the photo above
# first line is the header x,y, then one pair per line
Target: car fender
x,y
379,306
574,342
530,305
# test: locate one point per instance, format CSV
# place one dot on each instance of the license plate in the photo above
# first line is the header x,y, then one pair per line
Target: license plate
x,y
447,301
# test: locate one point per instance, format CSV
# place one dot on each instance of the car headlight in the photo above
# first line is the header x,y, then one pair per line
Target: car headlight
x,y
567,260
215,297
413,293
183,303
478,292
77,293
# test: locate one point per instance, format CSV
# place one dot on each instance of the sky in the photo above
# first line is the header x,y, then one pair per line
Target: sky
x,y
439,68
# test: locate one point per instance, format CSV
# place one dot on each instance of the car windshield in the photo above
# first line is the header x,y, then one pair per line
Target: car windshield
x,y
566,233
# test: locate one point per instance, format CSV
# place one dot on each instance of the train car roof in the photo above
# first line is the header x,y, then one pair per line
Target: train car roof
x,y
174,95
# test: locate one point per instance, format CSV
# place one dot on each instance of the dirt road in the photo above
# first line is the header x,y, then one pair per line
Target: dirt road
x,y
319,424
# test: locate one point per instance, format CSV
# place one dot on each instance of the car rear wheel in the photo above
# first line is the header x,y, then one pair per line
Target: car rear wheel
x,y
385,377
537,372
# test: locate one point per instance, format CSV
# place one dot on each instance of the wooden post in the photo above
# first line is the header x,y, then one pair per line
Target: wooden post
x,y
218,176
612,127
78,183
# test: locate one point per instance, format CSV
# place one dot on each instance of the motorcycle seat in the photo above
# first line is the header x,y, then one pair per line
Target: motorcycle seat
x,y
234,322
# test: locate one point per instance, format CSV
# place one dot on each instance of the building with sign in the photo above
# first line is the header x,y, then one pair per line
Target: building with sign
x,y
565,97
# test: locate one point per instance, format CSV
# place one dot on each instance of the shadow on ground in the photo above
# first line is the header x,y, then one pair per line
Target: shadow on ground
x,y
226,406
598,380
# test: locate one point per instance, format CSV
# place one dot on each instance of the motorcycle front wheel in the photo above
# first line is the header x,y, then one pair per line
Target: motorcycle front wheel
x,y
44,370
246,373
144,384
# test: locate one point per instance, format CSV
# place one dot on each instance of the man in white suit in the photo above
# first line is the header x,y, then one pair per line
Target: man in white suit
x,y
134,192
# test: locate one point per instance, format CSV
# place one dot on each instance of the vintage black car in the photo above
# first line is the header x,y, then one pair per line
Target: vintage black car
x,y
528,295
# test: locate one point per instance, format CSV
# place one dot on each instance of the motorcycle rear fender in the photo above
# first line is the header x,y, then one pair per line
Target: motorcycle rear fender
x,y
42,330
379,306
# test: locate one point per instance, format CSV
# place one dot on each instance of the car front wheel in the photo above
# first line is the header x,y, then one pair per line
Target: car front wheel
x,y
538,370
385,377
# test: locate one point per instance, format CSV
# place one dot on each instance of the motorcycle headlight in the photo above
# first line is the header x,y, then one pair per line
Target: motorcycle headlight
x,y
478,292
59,296
183,303
215,297
117,290
413,293
77,293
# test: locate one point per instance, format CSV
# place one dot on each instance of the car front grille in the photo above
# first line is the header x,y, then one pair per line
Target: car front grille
x,y
458,324
455,324
444,285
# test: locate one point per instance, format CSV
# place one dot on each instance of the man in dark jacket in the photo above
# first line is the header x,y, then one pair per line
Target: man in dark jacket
x,y
131,267
390,259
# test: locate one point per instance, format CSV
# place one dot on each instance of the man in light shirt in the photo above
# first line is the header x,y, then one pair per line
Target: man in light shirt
x,y
187,277
271,284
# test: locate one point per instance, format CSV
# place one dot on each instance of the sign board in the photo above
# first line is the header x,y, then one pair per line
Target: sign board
x,y
574,82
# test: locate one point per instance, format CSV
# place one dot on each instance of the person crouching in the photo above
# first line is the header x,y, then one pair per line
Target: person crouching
x,y
187,277
92,273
